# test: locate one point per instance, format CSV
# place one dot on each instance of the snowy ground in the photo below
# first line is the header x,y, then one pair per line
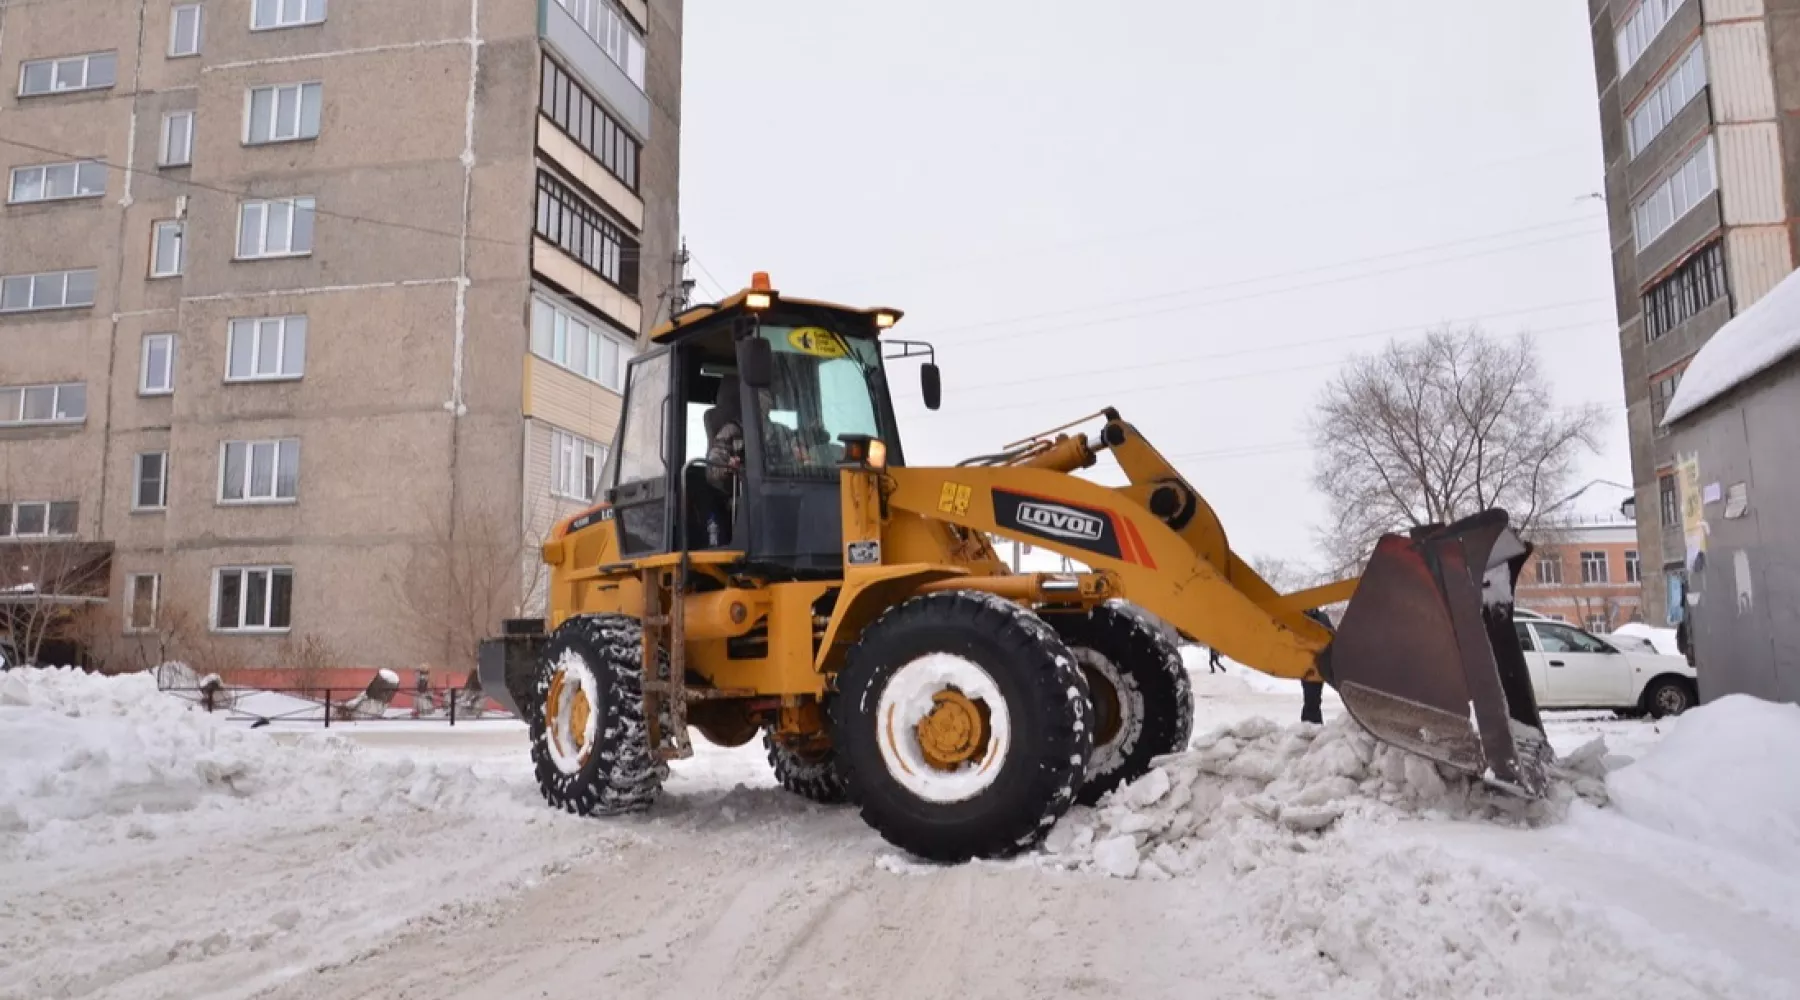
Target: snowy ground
x,y
167,859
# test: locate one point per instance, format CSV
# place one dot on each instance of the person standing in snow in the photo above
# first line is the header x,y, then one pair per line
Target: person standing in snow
x,y
1212,662
1313,692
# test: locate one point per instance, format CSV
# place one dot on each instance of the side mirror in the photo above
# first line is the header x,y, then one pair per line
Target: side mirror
x,y
756,363
931,385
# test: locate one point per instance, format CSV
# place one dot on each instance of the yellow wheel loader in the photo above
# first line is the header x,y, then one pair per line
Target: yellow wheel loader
x,y
765,563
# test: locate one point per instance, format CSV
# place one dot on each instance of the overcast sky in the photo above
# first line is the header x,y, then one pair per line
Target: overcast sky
x,y
1189,209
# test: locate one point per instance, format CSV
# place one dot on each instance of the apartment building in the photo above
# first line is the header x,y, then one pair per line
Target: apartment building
x,y
313,313
1700,121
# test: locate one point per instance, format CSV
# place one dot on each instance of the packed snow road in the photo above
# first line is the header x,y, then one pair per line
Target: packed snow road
x,y
145,853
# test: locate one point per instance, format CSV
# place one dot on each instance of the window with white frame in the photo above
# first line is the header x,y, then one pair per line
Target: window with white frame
x,y
253,599
583,345
1682,85
266,14
94,71
57,182
1598,623
616,35
43,404
279,227
184,30
1593,567
156,369
142,594
165,250
282,114
270,347
177,139
575,464
1641,29
1549,571
48,290
38,518
1676,196
1633,570
151,491
259,471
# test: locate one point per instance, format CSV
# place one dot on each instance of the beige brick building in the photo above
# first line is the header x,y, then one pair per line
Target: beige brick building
x,y
314,311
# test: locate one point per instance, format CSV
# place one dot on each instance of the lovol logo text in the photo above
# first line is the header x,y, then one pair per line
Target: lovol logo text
x,y
1061,521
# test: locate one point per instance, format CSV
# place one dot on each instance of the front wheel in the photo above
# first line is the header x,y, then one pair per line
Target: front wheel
x,y
1668,696
963,726
589,742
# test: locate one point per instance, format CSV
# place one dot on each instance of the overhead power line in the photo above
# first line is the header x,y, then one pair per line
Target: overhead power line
x,y
240,194
1128,391
1291,345
1266,293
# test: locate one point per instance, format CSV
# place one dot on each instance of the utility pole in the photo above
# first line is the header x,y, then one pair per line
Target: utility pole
x,y
681,287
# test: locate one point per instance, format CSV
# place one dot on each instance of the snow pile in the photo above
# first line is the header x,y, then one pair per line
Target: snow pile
x,y
1255,786
1723,777
90,759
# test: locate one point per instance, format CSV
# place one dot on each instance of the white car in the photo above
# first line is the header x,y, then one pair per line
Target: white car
x,y
1572,669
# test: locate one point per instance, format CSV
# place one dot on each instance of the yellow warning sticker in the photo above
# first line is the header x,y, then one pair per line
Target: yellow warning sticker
x,y
954,499
819,342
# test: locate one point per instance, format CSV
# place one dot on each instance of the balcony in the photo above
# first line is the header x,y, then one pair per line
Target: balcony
x,y
587,59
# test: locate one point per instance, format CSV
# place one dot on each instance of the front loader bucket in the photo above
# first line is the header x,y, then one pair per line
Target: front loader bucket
x,y
1427,657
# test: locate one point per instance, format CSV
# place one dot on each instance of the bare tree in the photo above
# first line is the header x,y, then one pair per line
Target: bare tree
x,y
1425,432
46,584
465,577
1286,575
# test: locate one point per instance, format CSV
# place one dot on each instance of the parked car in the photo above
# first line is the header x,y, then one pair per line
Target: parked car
x,y
1529,615
1571,668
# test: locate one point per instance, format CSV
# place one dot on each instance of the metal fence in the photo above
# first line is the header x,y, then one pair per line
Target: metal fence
x,y
328,706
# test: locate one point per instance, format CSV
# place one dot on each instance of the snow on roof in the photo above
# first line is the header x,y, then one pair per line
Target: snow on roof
x,y
1751,343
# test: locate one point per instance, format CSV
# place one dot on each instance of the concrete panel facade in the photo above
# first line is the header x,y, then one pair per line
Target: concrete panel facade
x,y
410,409
1753,69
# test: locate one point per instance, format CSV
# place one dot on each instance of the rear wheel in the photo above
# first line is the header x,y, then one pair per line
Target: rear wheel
x,y
963,726
809,773
1143,701
589,742
1668,696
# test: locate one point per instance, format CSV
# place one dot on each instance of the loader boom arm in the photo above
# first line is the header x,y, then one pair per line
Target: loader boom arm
x,y
1155,540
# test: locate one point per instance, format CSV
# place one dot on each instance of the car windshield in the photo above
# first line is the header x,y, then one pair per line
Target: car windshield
x,y
826,385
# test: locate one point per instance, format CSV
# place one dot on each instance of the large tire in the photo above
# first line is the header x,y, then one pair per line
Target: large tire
x,y
1143,700
971,667
589,742
812,776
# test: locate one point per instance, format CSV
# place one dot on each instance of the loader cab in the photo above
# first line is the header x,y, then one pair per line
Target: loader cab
x,y
733,430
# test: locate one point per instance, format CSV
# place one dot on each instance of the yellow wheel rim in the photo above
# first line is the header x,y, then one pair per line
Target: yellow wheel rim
x,y
954,732
567,710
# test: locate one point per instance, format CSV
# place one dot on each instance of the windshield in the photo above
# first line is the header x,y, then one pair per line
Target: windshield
x,y
825,386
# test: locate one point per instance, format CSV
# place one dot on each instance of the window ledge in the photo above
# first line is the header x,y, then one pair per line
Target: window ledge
x,y
287,27
281,502
65,92
25,425
270,256
43,309
155,393
164,277
255,379
216,630
259,143
150,510
58,200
